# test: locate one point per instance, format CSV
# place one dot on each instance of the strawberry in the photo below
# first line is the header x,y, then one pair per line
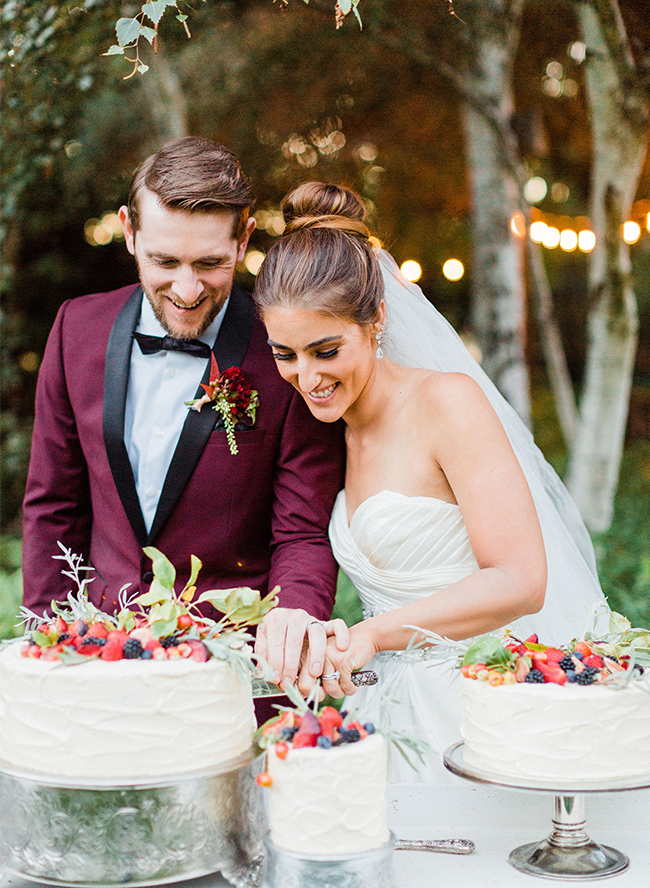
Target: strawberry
x,y
112,650
553,673
97,630
532,639
60,625
594,660
554,655
90,650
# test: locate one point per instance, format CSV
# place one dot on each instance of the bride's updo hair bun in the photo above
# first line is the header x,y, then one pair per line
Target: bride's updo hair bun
x,y
325,259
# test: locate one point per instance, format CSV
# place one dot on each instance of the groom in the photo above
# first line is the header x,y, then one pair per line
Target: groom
x,y
118,461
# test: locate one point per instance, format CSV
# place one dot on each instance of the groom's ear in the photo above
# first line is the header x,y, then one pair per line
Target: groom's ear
x,y
127,228
243,241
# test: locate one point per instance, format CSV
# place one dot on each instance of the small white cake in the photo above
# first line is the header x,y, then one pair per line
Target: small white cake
x,y
125,719
556,732
329,801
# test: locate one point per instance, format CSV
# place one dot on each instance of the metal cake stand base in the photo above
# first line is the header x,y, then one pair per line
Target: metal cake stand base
x,y
568,853
370,869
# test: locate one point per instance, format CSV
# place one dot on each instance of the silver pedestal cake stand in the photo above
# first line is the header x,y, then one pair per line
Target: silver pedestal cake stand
x,y
145,832
568,853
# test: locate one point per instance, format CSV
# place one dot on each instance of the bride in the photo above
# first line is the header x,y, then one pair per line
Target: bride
x,y
450,519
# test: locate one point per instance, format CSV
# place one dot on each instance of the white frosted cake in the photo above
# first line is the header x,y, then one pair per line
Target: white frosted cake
x,y
326,800
577,713
550,731
155,690
122,719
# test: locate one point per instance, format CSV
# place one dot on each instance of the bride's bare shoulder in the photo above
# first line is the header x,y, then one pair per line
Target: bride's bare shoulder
x,y
453,397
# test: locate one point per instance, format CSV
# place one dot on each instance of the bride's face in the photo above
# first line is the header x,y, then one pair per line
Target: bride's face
x,y
329,360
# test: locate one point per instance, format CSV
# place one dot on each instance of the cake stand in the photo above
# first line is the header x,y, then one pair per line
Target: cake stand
x,y
568,853
91,832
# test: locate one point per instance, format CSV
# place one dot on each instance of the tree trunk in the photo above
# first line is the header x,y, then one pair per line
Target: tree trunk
x,y
498,308
620,135
165,98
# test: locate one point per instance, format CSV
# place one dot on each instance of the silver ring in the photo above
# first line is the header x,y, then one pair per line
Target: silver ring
x,y
314,623
331,676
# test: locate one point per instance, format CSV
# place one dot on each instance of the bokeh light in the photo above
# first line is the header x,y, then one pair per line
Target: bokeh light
x,y
631,232
551,238
586,240
253,261
411,270
535,189
453,269
518,225
100,232
568,240
537,231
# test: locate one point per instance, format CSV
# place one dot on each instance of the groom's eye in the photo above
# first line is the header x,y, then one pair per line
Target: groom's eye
x,y
279,356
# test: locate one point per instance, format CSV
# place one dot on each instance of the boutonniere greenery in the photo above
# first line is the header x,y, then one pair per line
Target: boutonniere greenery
x,y
231,396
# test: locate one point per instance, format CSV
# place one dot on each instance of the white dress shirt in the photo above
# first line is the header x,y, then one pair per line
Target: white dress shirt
x,y
159,385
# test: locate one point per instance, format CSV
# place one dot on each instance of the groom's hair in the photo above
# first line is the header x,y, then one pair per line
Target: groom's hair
x,y
194,175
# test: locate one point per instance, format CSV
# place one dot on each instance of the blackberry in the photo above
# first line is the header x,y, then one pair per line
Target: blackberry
x,y
64,636
132,649
587,676
170,641
100,642
349,735
566,663
323,742
535,677
343,713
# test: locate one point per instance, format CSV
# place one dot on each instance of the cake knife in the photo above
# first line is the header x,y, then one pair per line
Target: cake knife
x,y
445,846
262,688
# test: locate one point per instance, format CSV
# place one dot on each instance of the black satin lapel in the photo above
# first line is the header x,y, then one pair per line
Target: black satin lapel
x,y
229,350
116,380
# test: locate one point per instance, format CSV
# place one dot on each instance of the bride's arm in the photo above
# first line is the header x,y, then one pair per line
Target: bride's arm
x,y
467,442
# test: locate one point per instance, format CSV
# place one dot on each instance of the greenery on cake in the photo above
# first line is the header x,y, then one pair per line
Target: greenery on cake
x,y
612,660
160,624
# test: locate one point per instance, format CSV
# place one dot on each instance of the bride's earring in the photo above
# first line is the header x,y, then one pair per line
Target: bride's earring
x,y
380,352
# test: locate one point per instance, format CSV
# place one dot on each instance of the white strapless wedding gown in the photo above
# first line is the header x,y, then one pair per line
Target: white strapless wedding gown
x,y
398,549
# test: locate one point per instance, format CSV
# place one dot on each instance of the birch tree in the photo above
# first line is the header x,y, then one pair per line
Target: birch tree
x,y
618,96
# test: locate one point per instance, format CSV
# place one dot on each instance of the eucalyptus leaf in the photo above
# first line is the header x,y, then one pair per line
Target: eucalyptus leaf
x,y
127,30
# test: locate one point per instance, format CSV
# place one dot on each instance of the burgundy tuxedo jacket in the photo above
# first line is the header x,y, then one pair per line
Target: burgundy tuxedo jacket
x,y
257,519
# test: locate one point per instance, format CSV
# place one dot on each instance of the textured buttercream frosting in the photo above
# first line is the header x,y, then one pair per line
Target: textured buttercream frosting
x,y
123,719
549,731
329,801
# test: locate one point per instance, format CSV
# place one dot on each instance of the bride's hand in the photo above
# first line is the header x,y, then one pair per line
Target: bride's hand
x,y
314,647
360,651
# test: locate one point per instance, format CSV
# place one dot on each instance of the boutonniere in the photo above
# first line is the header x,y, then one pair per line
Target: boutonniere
x,y
231,396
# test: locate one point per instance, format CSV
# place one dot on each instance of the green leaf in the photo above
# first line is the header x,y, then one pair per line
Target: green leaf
x,y
142,68
216,597
114,50
161,628
163,570
181,18
488,650
148,34
127,30
618,623
156,595
196,565
345,6
155,9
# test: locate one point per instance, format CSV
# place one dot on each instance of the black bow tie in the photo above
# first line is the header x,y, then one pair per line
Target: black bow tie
x,y
149,345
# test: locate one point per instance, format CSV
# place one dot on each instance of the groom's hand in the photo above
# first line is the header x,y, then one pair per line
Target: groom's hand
x,y
293,643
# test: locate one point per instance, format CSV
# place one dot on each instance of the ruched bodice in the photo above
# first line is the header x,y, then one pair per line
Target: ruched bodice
x,y
399,548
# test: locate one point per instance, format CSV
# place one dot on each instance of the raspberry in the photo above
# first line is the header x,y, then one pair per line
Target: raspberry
x,y
567,664
535,677
554,655
594,661
132,649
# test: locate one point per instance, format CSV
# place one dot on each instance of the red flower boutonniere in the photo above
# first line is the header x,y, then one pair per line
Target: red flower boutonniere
x,y
231,396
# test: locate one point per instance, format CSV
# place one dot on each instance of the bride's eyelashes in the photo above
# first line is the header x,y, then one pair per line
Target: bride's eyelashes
x,y
281,356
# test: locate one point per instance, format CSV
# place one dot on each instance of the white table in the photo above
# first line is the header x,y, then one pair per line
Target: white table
x,y
496,820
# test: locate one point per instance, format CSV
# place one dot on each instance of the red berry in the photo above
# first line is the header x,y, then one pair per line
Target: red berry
x,y
281,750
594,660
97,630
554,655
112,650
532,639
60,625
184,621
553,673
264,779
34,651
